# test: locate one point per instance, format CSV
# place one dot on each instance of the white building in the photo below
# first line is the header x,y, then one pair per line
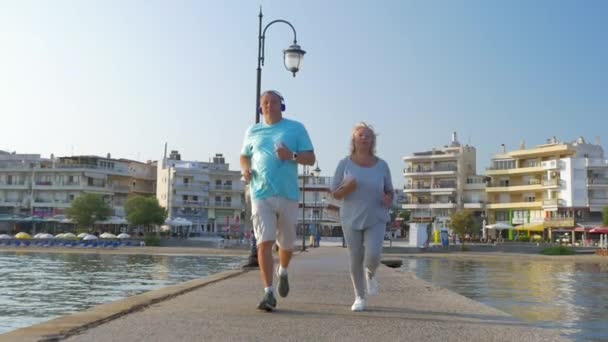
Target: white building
x,y
35,186
554,187
317,207
207,194
441,181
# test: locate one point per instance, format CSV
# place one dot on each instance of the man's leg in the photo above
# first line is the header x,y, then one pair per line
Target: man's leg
x,y
285,257
266,262
286,235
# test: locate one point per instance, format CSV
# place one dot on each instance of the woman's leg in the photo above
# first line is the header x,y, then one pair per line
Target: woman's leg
x,y
373,238
354,241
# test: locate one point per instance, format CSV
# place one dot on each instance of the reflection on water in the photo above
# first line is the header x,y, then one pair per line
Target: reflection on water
x,y
35,287
569,296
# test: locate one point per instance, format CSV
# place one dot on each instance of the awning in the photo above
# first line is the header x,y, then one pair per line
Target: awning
x,y
95,175
599,230
534,227
499,226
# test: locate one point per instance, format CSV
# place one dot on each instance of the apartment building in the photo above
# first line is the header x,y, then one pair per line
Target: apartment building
x,y
557,187
35,186
441,181
207,194
317,207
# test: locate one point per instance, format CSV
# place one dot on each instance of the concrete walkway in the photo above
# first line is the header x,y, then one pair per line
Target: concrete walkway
x,y
317,308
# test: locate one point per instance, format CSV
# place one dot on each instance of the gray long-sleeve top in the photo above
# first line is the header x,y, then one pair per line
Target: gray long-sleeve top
x,y
363,207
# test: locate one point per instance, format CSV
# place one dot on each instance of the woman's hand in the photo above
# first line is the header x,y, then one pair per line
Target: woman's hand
x,y
387,200
346,188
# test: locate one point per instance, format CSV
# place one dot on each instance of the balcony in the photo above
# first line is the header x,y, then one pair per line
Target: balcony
x,y
532,185
121,188
432,155
515,205
552,164
598,202
553,202
428,171
14,185
596,163
473,205
492,171
225,204
550,183
597,183
10,203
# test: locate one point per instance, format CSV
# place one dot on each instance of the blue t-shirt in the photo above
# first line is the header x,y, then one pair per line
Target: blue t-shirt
x,y
272,176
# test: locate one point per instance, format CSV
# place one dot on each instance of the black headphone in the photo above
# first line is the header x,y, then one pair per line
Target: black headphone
x,y
275,93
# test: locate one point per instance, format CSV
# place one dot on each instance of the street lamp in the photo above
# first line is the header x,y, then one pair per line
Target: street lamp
x,y
293,57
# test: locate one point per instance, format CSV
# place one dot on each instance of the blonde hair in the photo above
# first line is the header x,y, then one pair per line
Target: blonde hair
x,y
363,125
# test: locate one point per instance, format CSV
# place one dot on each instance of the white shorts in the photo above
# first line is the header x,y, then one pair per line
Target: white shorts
x,y
275,219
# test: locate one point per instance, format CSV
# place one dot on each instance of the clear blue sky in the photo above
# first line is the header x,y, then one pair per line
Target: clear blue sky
x,y
92,77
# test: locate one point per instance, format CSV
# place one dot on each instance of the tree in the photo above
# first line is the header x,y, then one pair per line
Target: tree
x,y
87,209
461,223
145,210
605,216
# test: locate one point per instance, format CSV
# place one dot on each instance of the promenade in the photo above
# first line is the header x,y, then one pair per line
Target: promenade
x,y
317,308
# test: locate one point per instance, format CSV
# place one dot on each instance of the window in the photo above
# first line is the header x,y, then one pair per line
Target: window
x,y
502,216
184,197
195,198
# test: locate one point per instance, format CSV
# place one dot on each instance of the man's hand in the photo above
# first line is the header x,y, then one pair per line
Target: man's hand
x,y
247,175
283,153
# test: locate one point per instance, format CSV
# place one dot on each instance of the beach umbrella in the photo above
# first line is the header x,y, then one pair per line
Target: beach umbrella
x,y
5,236
90,237
123,236
23,236
46,236
68,235
107,236
60,236
81,235
37,235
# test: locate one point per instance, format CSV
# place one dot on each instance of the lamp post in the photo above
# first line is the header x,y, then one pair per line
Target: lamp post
x,y
293,57
316,172
304,171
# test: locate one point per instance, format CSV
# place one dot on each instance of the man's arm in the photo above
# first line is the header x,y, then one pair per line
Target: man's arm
x,y
306,158
246,168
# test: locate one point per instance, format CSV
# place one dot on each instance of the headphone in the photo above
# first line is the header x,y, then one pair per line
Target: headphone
x,y
276,93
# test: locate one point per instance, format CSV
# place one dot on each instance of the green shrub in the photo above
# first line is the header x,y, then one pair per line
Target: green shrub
x,y
152,240
523,239
558,250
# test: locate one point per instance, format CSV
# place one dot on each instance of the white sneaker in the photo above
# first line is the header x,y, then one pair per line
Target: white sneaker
x,y
372,286
359,304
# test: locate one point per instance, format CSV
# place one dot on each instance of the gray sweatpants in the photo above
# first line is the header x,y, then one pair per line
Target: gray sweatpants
x,y
365,248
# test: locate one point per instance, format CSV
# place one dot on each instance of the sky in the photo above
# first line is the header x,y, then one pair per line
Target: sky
x,y
124,77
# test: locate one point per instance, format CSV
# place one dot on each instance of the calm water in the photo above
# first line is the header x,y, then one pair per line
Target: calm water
x,y
568,296
38,287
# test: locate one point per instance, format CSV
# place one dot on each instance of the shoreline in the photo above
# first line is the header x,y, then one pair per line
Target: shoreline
x,y
494,256
173,251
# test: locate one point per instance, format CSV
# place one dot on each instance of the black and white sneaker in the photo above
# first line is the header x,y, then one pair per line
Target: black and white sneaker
x,y
268,303
282,284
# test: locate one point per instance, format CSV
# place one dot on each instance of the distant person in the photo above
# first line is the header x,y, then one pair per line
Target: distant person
x,y
363,181
272,150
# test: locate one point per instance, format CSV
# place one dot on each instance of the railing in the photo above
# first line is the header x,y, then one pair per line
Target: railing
x,y
598,181
88,166
551,182
44,183
553,201
430,169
